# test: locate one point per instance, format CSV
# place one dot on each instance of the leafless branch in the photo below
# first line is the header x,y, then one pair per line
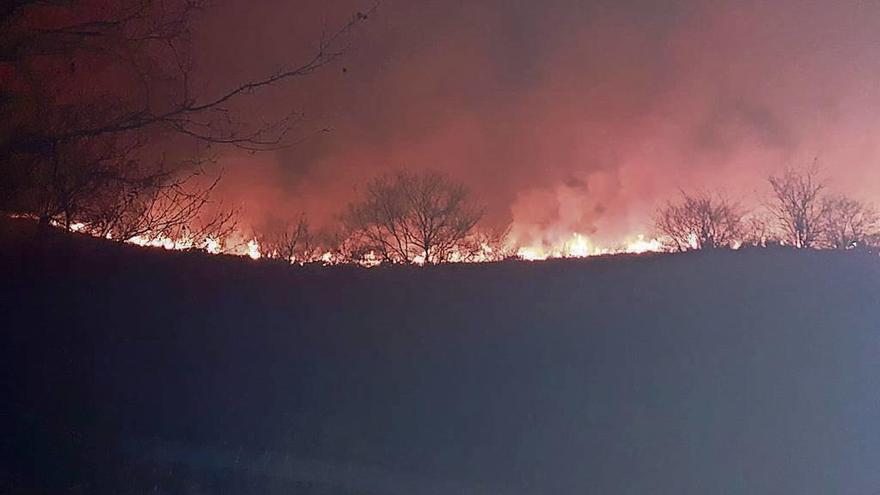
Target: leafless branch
x,y
699,221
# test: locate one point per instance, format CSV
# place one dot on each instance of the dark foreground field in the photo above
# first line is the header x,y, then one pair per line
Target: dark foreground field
x,y
137,371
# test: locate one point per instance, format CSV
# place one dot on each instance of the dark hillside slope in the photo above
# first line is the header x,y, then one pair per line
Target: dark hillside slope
x,y
138,371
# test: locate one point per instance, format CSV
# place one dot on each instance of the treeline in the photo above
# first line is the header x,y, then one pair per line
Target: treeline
x,y
403,218
799,212
427,218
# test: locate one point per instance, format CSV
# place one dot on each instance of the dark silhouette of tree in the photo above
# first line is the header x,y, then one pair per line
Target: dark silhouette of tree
x,y
798,206
489,245
849,223
89,88
699,221
160,208
294,243
412,217
758,230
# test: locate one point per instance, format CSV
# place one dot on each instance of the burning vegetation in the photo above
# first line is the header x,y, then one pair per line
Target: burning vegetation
x,y
427,218
106,130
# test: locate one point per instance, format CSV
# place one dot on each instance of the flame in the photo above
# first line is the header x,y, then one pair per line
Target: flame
x,y
371,259
574,245
253,249
640,245
580,246
162,242
213,246
249,248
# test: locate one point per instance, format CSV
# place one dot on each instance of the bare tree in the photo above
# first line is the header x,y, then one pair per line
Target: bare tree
x,y
65,188
152,39
849,223
699,221
758,230
87,84
407,218
161,207
349,246
294,243
489,245
798,206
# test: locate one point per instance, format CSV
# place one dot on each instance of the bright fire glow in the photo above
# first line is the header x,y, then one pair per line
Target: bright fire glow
x,y
640,245
253,249
575,245
580,246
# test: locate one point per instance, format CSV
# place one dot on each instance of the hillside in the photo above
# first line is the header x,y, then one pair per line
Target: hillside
x,y
130,370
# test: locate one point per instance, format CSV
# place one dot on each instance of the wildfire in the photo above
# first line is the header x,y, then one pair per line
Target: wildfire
x,y
576,245
580,246
640,245
253,249
237,244
162,242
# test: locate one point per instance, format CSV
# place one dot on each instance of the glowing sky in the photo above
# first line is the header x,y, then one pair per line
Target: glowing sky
x,y
562,115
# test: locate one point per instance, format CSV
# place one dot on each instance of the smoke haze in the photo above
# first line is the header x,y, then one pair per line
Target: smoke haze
x,y
562,116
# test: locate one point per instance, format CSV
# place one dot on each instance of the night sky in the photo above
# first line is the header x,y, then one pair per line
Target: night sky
x,y
562,116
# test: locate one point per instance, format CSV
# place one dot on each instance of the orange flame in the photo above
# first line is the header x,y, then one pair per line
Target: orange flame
x,y
575,245
580,246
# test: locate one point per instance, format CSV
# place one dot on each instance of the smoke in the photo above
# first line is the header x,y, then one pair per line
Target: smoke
x,y
562,116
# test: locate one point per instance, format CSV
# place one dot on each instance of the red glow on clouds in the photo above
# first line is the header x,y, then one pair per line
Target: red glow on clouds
x,y
566,118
